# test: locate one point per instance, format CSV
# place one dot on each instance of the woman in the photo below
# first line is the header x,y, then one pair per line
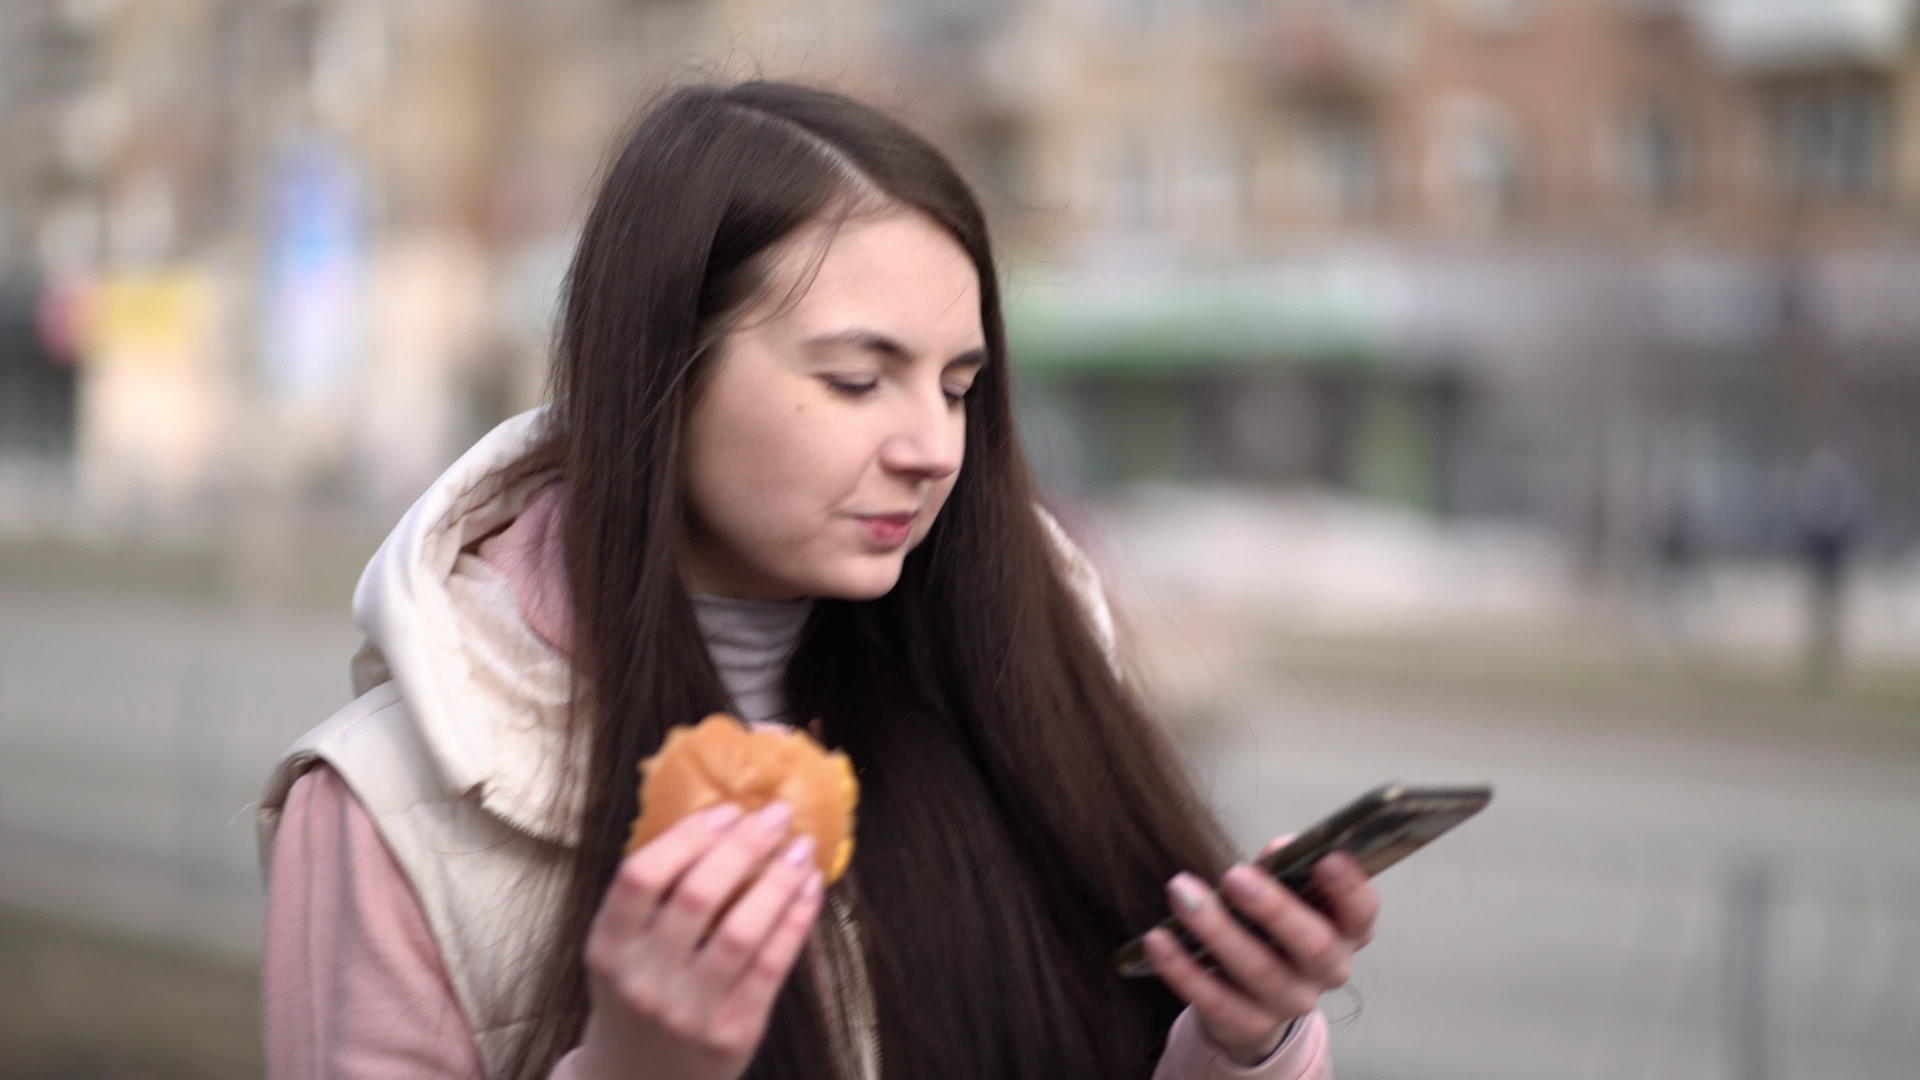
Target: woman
x,y
778,476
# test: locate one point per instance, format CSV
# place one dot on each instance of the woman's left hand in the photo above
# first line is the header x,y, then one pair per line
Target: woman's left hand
x,y
1248,1012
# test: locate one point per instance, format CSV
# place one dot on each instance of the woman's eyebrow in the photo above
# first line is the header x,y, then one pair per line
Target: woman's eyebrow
x,y
876,342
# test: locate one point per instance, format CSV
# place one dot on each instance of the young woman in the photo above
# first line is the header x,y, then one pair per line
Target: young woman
x,y
778,476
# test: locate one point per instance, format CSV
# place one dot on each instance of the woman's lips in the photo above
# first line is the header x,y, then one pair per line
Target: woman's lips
x,y
887,530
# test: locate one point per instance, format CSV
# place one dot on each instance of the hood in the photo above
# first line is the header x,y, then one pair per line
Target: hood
x,y
493,729
498,746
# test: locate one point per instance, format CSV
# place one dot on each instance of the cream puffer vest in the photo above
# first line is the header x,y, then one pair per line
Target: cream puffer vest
x,y
452,751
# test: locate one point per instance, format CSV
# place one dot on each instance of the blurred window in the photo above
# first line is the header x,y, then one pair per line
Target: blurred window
x,y
1006,173
1346,163
91,127
1238,10
1126,185
945,22
47,59
1134,14
1833,140
1657,159
1371,16
290,37
1500,15
85,15
1479,161
1213,178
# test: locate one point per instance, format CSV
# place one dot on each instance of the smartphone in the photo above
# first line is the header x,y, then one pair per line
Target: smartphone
x,y
1378,829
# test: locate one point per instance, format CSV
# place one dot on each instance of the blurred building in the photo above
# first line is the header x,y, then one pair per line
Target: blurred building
x,y
274,236
1566,260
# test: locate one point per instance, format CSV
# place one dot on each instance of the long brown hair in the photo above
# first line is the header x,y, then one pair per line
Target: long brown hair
x,y
1019,811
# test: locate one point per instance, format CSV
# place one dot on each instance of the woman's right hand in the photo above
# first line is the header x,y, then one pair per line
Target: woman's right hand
x,y
681,988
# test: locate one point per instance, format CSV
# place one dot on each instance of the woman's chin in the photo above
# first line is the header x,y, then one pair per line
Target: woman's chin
x,y
870,579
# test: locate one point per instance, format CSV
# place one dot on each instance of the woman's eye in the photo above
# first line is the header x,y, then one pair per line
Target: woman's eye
x,y
957,395
851,387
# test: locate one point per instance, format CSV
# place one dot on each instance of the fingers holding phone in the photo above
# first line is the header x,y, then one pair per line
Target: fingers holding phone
x,y
1288,925
1335,874
1262,985
1371,833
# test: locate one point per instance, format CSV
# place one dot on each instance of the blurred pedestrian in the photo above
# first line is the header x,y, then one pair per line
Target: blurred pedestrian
x,y
781,343
1830,511
1677,558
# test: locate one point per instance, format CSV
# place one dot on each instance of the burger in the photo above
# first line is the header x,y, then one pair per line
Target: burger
x,y
722,760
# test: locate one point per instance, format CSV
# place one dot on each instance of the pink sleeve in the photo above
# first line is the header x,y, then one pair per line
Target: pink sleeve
x,y
1190,1055
352,983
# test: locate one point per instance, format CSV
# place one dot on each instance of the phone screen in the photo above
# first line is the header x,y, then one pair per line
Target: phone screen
x,y
1378,829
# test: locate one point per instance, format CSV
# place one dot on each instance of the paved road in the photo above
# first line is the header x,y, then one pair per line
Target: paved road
x,y
1601,920
1631,888
134,734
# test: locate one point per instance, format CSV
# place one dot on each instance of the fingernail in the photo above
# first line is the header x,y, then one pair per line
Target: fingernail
x,y
774,816
719,817
1188,893
800,851
1240,882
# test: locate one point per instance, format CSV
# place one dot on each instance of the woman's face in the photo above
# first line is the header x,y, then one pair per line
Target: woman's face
x,y
829,433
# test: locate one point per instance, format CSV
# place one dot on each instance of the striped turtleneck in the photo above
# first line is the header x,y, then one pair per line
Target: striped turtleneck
x,y
750,642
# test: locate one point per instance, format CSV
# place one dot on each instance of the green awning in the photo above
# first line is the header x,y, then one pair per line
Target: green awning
x,y
1194,322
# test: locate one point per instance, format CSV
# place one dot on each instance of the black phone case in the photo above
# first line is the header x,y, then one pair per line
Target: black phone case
x,y
1378,829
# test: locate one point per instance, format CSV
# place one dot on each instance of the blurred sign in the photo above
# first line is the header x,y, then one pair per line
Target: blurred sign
x,y
313,304
155,319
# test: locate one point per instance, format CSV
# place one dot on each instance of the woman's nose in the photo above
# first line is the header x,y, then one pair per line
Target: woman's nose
x,y
926,441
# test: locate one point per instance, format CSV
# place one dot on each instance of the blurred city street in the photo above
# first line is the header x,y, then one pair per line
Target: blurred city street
x,y
1639,870
1520,391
